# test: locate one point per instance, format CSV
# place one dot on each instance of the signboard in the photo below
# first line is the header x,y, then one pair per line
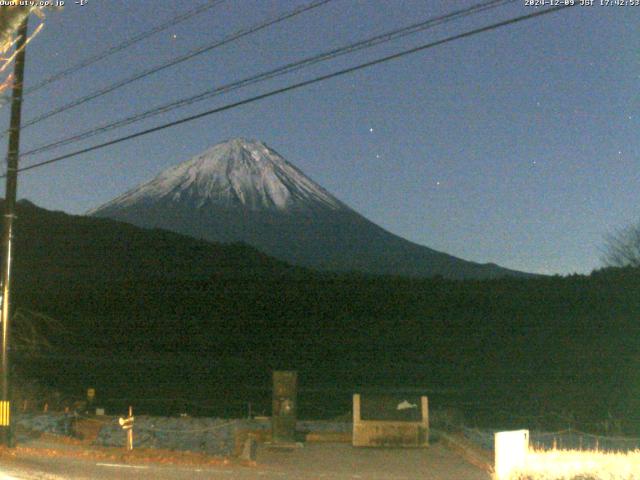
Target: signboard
x,y
390,421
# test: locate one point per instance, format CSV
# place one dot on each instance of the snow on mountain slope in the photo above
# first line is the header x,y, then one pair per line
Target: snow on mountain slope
x,y
235,173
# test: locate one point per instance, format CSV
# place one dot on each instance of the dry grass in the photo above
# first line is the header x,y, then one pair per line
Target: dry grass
x,y
580,465
56,447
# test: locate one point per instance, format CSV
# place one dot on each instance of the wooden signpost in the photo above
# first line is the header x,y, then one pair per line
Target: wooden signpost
x,y
127,424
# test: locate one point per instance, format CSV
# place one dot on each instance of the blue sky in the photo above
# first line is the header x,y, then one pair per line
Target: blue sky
x,y
518,146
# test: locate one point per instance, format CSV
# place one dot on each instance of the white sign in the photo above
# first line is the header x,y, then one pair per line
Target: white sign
x,y
511,452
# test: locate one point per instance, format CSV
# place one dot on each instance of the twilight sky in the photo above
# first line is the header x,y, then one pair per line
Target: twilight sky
x,y
518,146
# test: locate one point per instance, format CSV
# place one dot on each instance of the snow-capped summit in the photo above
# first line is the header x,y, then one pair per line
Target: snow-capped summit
x,y
236,173
243,191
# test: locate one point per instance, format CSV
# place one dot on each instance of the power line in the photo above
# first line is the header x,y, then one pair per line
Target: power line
x,y
296,86
288,68
123,45
198,51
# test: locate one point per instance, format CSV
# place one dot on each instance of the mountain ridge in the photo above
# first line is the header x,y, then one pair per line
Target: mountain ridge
x,y
242,190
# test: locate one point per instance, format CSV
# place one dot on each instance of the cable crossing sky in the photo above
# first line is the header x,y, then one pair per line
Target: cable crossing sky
x,y
299,85
123,45
198,51
274,73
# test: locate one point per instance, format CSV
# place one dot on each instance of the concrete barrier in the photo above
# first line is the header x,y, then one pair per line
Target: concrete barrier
x,y
390,431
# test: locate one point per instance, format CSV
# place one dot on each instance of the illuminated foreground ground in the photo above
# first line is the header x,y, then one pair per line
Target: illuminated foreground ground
x,y
567,464
314,461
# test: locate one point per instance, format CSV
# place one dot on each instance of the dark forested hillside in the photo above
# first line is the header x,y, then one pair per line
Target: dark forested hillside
x,y
151,314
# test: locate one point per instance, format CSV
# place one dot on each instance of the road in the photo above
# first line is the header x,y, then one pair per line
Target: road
x,y
313,461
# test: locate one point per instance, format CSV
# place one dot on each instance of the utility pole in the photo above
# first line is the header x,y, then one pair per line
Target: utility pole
x,y
7,233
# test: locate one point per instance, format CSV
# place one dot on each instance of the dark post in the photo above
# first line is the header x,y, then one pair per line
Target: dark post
x,y
284,411
7,234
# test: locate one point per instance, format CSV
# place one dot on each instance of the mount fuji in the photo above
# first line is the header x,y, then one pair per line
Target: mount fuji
x,y
243,191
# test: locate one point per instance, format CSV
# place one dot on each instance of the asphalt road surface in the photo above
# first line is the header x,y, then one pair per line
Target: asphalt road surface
x,y
313,461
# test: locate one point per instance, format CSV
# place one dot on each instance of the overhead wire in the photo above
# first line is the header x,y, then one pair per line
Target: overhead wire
x,y
277,72
299,85
122,45
175,61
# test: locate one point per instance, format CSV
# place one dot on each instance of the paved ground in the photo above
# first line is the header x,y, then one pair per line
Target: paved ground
x,y
313,461
342,461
